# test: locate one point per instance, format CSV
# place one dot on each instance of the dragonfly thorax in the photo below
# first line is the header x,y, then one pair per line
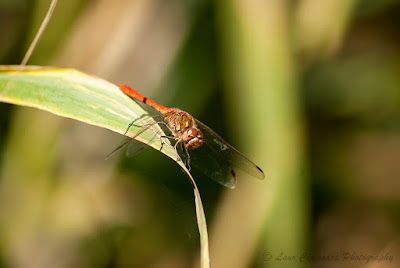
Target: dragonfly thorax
x,y
183,127
178,121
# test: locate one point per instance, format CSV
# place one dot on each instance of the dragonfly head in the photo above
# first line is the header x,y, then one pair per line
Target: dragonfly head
x,y
193,138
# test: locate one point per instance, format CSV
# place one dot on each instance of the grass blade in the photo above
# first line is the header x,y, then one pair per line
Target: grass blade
x,y
70,93
73,94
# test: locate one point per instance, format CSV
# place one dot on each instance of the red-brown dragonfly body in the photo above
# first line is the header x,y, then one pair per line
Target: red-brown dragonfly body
x,y
213,155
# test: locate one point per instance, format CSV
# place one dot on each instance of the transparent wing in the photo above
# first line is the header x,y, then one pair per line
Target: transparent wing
x,y
213,165
218,159
146,132
135,147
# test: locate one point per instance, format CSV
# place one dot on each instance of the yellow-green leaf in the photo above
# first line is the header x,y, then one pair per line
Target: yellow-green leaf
x,y
73,94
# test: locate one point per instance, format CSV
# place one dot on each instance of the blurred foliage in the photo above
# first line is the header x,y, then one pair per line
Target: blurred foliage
x,y
307,89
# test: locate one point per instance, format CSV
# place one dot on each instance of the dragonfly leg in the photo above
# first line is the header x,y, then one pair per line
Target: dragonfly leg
x,y
186,156
144,128
145,125
132,124
123,143
183,155
129,126
165,137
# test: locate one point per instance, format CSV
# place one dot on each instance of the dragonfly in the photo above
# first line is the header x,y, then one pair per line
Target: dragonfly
x,y
196,143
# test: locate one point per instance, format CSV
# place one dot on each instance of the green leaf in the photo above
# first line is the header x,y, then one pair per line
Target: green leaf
x,y
73,94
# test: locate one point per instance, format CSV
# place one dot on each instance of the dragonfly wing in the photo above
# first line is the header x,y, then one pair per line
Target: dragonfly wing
x,y
147,134
225,151
135,147
212,165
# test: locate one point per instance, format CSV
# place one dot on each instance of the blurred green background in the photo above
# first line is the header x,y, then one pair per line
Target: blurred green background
x,y
308,89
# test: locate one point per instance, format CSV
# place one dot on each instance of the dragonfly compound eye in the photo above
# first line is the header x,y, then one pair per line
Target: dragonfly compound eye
x,y
193,138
